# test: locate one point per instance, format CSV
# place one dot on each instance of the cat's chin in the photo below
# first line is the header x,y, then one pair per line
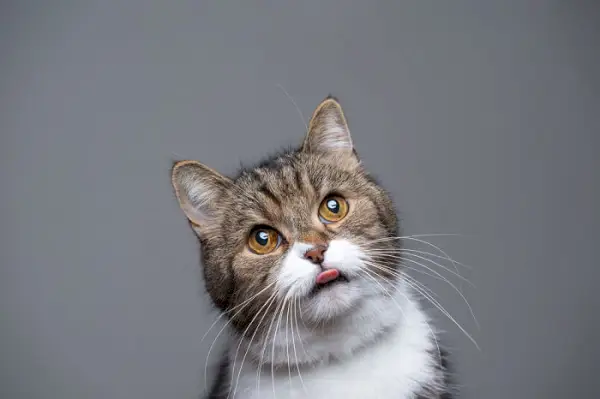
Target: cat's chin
x,y
331,301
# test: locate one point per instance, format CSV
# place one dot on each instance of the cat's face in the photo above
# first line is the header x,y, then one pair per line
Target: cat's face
x,y
308,227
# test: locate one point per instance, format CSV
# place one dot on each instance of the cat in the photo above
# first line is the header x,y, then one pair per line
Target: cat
x,y
298,253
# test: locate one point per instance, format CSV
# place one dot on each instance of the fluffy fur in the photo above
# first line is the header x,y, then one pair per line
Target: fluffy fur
x,y
360,336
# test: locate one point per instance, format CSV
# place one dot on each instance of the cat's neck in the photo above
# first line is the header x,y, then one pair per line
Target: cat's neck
x,y
294,343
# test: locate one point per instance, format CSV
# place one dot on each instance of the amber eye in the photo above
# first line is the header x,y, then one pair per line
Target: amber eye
x,y
263,240
333,209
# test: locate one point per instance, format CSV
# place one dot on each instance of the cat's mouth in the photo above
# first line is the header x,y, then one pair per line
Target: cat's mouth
x,y
328,282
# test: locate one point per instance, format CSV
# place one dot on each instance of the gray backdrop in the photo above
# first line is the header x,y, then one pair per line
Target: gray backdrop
x,y
482,118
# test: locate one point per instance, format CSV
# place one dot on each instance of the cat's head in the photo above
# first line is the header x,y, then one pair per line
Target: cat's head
x,y
308,226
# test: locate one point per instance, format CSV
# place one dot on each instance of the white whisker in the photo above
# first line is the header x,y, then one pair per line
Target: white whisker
x,y
399,274
403,257
295,105
434,302
453,286
414,238
401,311
294,344
285,299
403,250
268,304
287,345
260,362
245,303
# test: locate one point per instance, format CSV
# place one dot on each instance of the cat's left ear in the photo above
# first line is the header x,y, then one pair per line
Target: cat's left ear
x,y
328,130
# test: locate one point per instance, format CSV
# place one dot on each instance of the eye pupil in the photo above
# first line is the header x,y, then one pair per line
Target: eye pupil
x,y
263,240
333,206
333,209
262,237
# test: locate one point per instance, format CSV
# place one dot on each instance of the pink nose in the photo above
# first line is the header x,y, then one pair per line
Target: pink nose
x,y
316,254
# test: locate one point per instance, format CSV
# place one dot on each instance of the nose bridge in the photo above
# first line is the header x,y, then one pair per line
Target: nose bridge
x,y
313,237
301,223
302,226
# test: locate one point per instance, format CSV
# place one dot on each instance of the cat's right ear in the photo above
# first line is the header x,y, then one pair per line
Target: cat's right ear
x,y
328,132
198,189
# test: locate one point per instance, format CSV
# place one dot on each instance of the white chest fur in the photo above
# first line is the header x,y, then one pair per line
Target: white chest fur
x,y
393,366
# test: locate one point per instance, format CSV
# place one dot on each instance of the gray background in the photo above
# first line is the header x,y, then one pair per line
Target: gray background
x,y
482,118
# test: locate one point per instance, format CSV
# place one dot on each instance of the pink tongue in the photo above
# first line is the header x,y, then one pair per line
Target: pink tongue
x,y
327,276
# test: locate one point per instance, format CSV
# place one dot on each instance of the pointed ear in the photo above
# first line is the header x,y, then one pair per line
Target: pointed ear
x,y
328,130
198,189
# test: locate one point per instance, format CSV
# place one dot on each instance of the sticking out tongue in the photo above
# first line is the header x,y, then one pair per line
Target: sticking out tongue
x,y
327,276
